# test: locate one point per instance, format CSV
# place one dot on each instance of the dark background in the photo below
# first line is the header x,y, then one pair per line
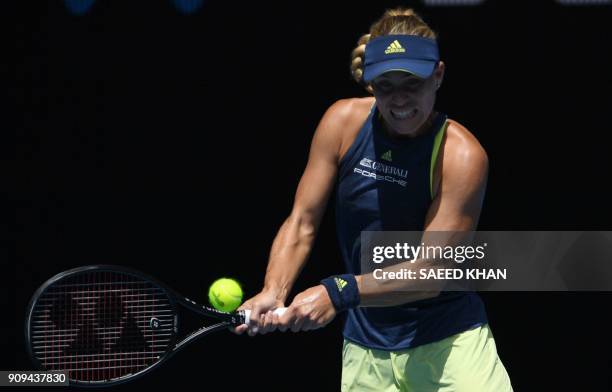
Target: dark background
x,y
173,143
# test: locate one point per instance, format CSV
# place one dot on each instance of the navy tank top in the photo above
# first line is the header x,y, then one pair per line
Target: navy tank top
x,y
385,184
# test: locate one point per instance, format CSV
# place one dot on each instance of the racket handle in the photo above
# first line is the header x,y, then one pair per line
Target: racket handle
x,y
247,313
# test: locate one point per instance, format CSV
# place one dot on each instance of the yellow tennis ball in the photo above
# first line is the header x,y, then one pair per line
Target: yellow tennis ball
x,y
225,294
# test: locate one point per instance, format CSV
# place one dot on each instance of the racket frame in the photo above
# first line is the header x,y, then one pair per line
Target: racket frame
x,y
227,320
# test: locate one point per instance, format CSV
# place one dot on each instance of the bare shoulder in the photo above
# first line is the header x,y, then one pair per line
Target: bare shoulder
x,y
459,182
347,111
348,115
462,160
339,126
462,149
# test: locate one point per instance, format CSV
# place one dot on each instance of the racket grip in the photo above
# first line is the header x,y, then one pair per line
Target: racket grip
x,y
247,313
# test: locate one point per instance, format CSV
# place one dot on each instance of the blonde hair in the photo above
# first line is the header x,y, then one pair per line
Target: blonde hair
x,y
394,21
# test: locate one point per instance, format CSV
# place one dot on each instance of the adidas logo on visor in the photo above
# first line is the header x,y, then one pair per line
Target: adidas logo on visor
x,y
394,47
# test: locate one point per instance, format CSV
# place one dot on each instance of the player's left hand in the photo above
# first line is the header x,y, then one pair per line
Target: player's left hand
x,y
310,309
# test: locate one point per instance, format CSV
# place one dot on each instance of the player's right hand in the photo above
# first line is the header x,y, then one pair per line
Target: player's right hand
x,y
260,305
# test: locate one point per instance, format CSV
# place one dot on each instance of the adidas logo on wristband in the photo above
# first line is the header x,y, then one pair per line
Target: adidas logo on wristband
x,y
343,291
340,283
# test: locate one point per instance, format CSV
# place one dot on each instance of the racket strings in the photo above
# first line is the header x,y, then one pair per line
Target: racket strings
x,y
101,325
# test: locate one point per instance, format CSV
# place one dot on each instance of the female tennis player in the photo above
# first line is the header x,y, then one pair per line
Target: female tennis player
x,y
399,165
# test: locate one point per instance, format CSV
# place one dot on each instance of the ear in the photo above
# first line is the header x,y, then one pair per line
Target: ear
x,y
439,73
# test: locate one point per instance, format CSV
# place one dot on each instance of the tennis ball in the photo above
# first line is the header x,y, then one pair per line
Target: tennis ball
x,y
225,294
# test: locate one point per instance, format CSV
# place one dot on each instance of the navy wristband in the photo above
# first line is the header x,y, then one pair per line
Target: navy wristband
x,y
343,291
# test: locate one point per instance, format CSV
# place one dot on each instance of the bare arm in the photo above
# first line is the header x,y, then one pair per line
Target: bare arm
x,y
462,171
293,243
295,238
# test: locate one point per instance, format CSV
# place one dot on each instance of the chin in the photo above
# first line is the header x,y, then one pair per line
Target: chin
x,y
407,127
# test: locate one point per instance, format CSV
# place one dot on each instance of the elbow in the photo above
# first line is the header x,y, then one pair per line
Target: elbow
x,y
307,230
304,225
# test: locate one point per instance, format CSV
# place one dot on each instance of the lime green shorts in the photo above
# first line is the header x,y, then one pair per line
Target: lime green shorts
x,y
465,362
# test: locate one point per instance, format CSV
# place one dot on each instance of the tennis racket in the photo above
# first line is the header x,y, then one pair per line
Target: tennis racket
x,y
105,324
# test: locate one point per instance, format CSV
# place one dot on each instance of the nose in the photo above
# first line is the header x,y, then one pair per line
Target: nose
x,y
400,98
